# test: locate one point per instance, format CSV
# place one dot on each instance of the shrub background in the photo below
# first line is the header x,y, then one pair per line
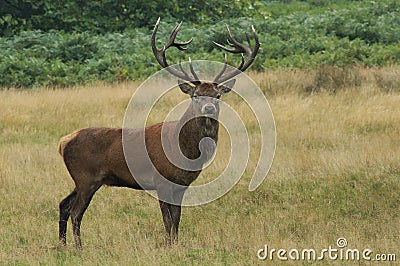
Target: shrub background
x,y
65,43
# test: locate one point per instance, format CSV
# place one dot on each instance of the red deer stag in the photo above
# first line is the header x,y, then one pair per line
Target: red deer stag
x,y
95,156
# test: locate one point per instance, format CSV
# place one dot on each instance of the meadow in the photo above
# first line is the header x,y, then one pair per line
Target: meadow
x,y
335,174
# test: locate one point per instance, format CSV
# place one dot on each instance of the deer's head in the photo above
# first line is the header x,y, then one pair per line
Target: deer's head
x,y
205,95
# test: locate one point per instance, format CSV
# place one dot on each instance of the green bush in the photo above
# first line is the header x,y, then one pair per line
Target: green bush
x,y
295,35
115,15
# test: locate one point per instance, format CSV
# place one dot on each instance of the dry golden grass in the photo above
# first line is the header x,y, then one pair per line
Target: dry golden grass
x,y
335,174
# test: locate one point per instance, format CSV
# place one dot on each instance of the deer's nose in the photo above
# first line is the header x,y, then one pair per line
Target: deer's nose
x,y
209,108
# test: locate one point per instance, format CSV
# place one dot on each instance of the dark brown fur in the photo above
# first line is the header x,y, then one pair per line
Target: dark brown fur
x,y
95,157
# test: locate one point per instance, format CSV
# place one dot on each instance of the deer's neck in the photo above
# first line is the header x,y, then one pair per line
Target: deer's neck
x,y
193,131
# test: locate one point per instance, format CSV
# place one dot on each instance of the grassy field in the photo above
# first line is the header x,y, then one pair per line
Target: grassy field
x,y
335,174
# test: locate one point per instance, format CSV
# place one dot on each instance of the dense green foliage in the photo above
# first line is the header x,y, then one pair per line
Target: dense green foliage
x,y
57,43
114,15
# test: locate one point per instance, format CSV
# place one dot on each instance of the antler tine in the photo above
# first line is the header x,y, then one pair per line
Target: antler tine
x,y
196,78
183,71
223,69
173,34
179,45
235,43
225,48
248,39
238,48
161,58
242,63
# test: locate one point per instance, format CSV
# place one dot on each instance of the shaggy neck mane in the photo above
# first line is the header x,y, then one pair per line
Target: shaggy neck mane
x,y
193,131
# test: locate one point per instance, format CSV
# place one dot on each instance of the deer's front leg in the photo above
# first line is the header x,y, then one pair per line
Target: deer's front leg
x,y
176,213
176,217
171,212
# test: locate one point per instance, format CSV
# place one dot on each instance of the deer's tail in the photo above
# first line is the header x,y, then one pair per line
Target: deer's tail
x,y
64,141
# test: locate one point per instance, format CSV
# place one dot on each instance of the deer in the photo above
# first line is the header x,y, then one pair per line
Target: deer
x,y
94,156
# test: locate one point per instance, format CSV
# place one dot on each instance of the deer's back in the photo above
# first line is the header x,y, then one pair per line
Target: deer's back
x,y
99,152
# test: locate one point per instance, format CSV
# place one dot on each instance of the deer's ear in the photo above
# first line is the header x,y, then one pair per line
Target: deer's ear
x,y
186,87
227,86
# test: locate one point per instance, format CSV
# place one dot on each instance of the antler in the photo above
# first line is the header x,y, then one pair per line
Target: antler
x,y
238,49
161,59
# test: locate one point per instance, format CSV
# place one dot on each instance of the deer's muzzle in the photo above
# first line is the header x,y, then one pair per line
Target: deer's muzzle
x,y
208,109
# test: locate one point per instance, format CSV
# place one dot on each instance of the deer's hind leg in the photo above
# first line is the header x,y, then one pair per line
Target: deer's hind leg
x,y
82,200
167,220
65,207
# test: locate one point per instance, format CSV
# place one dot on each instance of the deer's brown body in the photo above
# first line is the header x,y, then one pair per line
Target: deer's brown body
x,y
95,156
